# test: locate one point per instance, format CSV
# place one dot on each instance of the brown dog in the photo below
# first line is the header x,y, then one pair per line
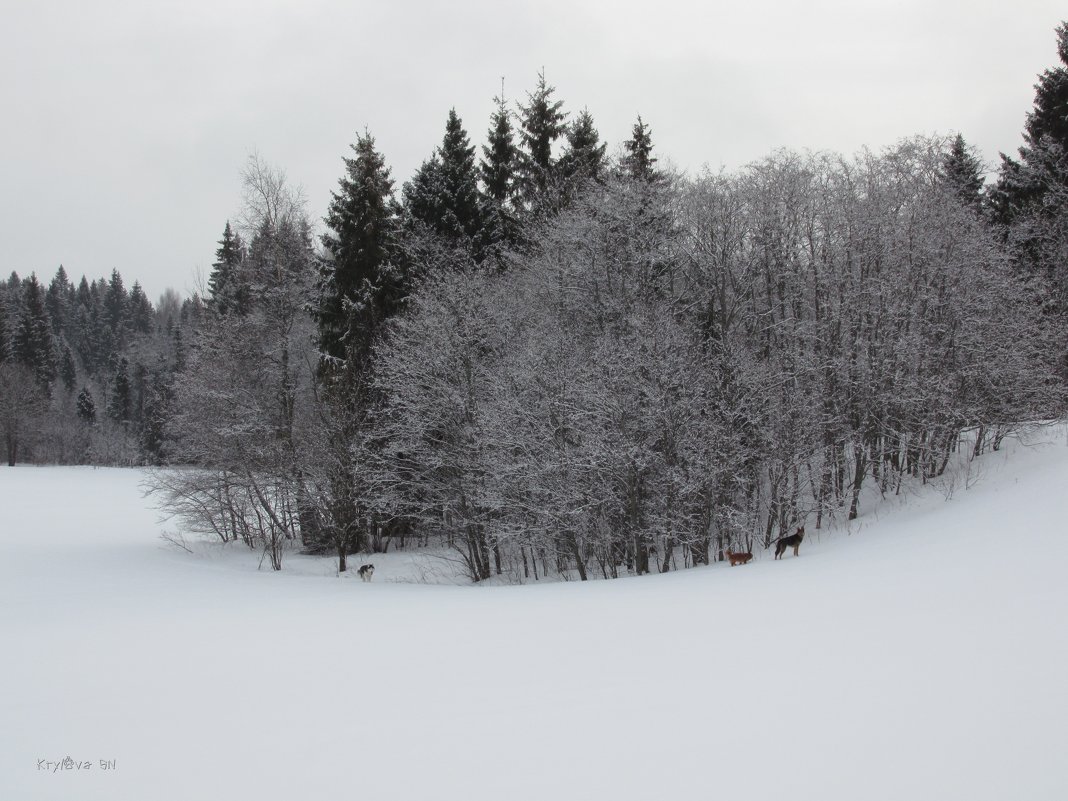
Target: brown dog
x,y
738,558
793,541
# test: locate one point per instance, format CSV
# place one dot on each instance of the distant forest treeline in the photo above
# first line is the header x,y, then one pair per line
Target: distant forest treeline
x,y
560,362
87,368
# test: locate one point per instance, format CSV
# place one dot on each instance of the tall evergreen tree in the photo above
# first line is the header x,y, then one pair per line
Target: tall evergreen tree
x,y
33,343
583,157
423,196
120,402
154,420
67,371
139,310
5,337
14,293
360,280
541,123
500,228
115,302
227,287
638,160
86,406
179,350
1023,184
582,160
83,295
442,197
1030,199
963,173
1048,120
85,332
57,300
462,217
499,156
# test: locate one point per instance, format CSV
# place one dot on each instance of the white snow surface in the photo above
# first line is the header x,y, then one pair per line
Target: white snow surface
x,y
921,654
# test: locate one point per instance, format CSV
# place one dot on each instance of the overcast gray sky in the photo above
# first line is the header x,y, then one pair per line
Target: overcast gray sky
x,y
126,124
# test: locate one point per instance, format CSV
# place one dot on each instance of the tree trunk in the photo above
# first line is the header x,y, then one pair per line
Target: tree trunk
x,y
860,468
579,563
342,554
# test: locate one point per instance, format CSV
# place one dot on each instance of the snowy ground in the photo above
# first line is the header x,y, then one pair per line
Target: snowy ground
x,y
923,656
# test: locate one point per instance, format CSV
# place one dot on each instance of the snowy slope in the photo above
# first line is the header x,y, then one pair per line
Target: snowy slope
x,y
923,656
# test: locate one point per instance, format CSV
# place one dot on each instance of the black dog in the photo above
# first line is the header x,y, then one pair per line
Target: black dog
x,y
366,571
793,541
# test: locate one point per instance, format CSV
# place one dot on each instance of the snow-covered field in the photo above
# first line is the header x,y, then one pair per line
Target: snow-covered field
x,y
923,656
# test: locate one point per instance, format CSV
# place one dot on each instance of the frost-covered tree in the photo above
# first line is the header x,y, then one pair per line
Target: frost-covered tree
x,y
119,399
423,196
228,289
115,302
584,154
86,406
240,406
361,283
33,341
541,124
497,169
5,336
1030,199
22,401
671,369
139,310
57,300
462,216
1023,184
68,372
442,206
638,160
499,156
962,170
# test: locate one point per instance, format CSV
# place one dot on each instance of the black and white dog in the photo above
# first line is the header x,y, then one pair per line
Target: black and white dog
x,y
366,571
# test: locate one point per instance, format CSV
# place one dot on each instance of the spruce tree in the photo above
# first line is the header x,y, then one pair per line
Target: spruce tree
x,y
1023,184
1048,120
86,406
462,217
638,161
360,281
499,157
57,300
83,295
5,338
541,123
227,287
962,172
583,157
68,373
33,344
1030,200
423,196
153,423
500,228
138,387
582,160
115,302
119,404
443,196
179,350
85,332
139,310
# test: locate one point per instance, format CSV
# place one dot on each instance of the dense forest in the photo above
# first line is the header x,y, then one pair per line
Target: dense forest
x,y
560,361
